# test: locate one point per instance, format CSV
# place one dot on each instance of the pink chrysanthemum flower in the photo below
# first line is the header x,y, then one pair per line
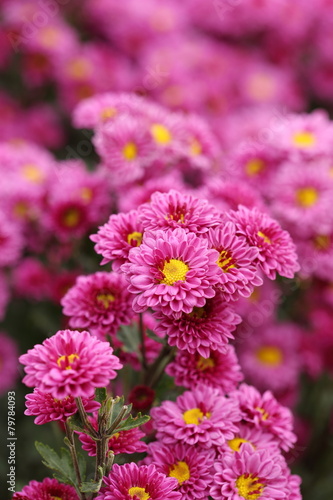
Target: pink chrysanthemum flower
x,y
257,438
115,239
236,262
294,483
46,490
31,279
219,370
190,466
172,271
316,255
174,209
11,241
264,412
200,417
228,194
277,253
203,330
8,362
130,481
48,409
70,363
271,358
121,442
99,302
249,474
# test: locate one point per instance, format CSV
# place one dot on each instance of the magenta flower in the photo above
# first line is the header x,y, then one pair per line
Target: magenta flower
x,y
99,302
219,370
205,329
277,253
115,239
257,438
8,362
48,409
174,209
201,417
237,262
70,363
46,490
172,271
130,481
190,466
250,474
11,241
264,412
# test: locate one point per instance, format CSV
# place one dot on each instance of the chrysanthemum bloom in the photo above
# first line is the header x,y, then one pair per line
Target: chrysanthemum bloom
x,y
227,195
205,329
250,474
99,302
257,438
141,397
8,362
316,255
219,370
190,466
47,409
31,279
294,483
67,218
271,357
277,253
237,269
70,363
172,271
115,239
11,241
174,209
200,417
264,412
130,481
121,442
46,490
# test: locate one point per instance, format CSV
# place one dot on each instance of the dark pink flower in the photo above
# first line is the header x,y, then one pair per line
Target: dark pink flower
x,y
8,362
48,489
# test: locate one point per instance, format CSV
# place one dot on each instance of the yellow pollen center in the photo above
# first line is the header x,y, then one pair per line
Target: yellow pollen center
x,y
107,113
116,435
32,173
130,151
322,241
204,364
105,299
254,166
194,416
249,486
71,217
264,237
64,362
56,498
160,133
195,147
21,209
270,355
49,37
134,237
86,194
263,412
79,68
174,270
306,197
180,471
225,261
304,139
236,443
140,493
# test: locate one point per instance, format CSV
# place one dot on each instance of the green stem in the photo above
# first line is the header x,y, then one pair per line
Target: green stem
x,y
84,417
72,449
156,370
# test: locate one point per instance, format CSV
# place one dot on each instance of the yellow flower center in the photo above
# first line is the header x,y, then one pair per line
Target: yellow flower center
x,y
174,270
197,312
249,486
270,355
263,412
322,241
86,194
56,498
254,166
134,237
21,209
137,492
225,261
194,416
32,173
236,443
264,237
107,113
160,133
306,197
49,36
105,299
79,68
130,151
304,139
195,147
64,362
71,217
204,364
180,471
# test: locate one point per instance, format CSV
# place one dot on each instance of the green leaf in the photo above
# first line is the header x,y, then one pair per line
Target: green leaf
x,y
129,336
93,486
155,337
132,422
62,465
76,423
100,394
